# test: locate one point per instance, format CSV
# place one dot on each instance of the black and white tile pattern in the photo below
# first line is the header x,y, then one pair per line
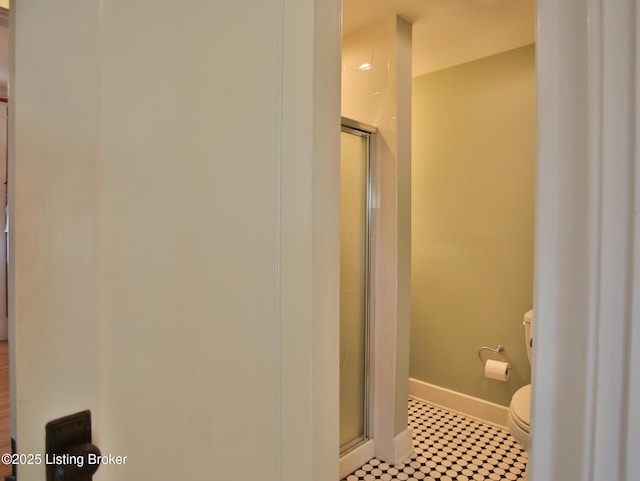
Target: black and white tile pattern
x,y
451,447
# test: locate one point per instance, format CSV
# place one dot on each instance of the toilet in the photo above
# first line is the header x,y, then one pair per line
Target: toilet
x,y
520,407
519,411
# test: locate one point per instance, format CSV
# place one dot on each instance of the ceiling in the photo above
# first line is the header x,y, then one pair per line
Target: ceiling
x,y
451,32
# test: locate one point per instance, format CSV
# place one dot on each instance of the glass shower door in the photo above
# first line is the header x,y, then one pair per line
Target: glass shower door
x,y
354,280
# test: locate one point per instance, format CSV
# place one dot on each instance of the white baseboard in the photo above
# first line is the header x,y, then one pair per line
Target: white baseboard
x,y
402,446
402,450
356,458
470,406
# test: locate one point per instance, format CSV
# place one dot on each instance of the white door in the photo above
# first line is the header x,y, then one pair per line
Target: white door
x,y
163,274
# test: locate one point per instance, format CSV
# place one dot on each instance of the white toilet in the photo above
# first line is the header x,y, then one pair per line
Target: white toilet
x,y
520,407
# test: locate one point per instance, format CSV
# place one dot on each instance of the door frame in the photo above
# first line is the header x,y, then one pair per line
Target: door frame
x,y
585,374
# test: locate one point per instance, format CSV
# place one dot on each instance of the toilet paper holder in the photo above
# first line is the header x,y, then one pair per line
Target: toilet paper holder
x,y
497,350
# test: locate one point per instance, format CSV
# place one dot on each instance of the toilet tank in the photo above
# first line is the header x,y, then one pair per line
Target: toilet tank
x,y
528,319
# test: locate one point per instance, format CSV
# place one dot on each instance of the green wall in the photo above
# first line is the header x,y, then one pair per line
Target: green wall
x,y
473,172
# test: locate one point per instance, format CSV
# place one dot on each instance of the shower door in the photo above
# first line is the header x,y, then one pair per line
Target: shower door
x,y
354,284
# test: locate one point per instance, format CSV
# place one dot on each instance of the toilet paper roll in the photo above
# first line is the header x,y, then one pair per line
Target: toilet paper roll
x,y
498,370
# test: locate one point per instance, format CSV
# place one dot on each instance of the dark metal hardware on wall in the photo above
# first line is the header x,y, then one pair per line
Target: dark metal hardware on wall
x,y
70,454
14,475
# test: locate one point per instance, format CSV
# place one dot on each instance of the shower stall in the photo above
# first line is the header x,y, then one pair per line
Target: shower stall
x,y
355,290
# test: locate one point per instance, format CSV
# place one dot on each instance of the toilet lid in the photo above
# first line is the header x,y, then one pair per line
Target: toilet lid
x,y
521,407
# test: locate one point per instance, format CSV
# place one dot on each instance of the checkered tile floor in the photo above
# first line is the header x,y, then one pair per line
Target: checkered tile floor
x,y
451,447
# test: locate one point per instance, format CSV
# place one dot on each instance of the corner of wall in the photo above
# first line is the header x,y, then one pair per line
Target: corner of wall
x,y
403,196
